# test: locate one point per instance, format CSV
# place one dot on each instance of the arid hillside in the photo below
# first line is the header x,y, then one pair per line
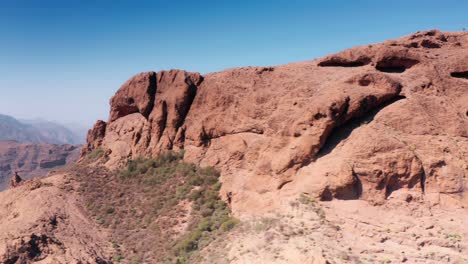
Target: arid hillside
x,y
357,157
43,222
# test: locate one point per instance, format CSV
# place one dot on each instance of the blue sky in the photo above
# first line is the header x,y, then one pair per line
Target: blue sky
x,y
63,60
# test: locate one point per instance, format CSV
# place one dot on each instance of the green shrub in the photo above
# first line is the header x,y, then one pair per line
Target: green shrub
x,y
195,195
229,224
95,154
110,210
305,199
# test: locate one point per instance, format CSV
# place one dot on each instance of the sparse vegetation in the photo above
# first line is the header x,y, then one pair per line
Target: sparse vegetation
x,y
453,237
161,209
306,199
312,203
386,260
264,224
94,155
43,183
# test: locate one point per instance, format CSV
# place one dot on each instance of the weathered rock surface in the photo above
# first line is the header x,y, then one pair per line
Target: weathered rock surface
x,y
15,180
348,232
95,136
361,124
33,159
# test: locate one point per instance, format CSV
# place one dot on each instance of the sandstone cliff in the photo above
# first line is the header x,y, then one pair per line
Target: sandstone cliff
x,y
363,123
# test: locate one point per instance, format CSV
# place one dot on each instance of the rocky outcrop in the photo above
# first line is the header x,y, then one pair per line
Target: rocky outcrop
x,y
15,180
366,123
32,160
148,124
95,136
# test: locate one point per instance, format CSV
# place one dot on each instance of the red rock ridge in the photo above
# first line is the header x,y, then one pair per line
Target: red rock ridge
x,y
371,122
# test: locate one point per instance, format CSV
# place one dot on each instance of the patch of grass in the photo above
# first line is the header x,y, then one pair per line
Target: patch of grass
x,y
94,155
264,224
110,210
46,184
453,237
229,224
312,203
306,199
118,259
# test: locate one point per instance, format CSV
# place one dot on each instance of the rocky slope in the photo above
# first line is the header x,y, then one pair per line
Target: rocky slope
x,y
42,222
372,122
352,231
32,160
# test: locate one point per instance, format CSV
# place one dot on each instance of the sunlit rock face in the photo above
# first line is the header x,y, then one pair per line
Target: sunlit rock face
x,y
368,123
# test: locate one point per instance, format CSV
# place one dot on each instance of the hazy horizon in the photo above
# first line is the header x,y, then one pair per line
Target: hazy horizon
x,y
62,61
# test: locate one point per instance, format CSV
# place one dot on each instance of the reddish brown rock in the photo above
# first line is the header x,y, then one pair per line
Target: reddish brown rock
x,y
368,122
43,222
15,180
175,94
135,96
95,136
132,132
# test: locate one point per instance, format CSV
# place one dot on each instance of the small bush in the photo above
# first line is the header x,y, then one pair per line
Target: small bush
x,y
229,224
453,237
95,154
110,210
305,199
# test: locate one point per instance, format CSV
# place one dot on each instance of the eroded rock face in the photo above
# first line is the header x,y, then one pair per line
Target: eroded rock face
x,y
15,180
364,123
135,96
95,136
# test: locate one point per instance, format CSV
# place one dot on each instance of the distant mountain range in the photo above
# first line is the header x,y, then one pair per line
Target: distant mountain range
x,y
39,130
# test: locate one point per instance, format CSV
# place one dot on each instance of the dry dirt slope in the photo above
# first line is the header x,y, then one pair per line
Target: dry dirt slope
x,y
44,221
307,231
156,211
41,222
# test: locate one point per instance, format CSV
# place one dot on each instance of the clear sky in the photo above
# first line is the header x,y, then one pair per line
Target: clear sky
x,y
63,60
